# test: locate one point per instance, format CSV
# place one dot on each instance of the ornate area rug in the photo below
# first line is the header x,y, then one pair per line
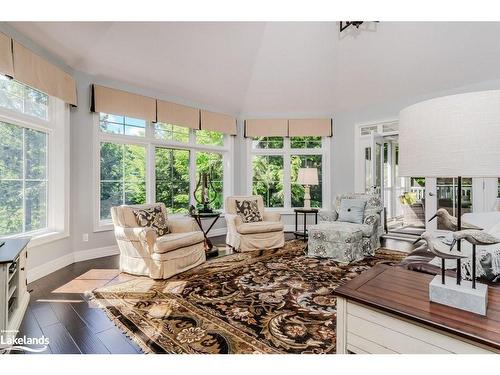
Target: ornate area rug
x,y
272,301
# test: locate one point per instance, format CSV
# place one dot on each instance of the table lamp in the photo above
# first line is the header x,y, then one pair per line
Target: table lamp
x,y
452,136
307,177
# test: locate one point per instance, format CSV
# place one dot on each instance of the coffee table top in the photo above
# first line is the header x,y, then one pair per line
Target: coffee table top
x,y
406,294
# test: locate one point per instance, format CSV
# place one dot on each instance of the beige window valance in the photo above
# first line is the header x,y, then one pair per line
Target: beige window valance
x,y
218,122
178,114
310,127
34,71
266,128
117,102
6,62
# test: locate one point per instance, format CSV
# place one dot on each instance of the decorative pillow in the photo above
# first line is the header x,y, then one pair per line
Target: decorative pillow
x,y
152,217
352,210
248,211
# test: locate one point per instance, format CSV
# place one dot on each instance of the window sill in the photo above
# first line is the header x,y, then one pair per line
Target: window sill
x,y
42,238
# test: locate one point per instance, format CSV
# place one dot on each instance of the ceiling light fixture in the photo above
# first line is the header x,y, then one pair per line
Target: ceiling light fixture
x,y
345,24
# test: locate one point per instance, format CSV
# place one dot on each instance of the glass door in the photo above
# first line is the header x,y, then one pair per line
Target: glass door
x,y
442,193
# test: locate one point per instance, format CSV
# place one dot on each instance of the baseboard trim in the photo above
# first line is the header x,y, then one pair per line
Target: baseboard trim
x,y
99,252
47,268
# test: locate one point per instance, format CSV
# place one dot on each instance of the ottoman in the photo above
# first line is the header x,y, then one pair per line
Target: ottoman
x,y
334,240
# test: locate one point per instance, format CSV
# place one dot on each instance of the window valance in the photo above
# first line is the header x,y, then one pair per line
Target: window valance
x,y
288,128
218,122
6,62
117,102
310,127
177,114
35,71
266,128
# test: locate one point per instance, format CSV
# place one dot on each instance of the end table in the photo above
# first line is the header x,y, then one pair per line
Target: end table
x,y
210,249
305,212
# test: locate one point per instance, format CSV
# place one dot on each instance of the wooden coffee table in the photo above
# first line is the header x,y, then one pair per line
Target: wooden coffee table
x,y
387,310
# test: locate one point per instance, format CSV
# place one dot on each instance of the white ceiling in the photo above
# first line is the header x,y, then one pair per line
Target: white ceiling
x,y
287,67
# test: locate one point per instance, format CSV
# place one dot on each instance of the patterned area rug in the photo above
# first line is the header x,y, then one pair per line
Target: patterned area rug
x,y
272,301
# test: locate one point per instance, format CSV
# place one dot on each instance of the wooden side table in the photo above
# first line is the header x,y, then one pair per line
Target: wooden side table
x,y
305,212
210,249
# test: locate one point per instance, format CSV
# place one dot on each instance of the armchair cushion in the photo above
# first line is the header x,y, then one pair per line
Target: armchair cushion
x,y
260,227
152,217
352,210
174,241
179,225
248,210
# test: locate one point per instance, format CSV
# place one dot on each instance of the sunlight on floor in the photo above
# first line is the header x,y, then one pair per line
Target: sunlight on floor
x,y
89,281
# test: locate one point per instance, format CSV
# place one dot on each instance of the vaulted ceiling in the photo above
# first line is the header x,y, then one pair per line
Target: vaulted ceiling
x,y
278,67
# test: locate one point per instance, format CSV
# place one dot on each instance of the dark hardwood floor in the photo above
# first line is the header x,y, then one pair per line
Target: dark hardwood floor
x,y
59,309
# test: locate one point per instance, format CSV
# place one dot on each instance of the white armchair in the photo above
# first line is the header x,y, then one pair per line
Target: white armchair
x,y
143,252
266,234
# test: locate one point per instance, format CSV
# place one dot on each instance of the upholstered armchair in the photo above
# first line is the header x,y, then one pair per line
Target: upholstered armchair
x,y
265,234
143,252
371,227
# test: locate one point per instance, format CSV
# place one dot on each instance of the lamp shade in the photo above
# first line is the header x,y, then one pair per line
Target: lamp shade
x,y
457,135
307,176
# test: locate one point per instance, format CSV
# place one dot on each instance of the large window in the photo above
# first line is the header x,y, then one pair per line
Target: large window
x,y
268,179
23,179
275,162
172,178
33,163
123,178
178,157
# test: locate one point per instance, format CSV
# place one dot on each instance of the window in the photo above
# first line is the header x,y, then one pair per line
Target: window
x,y
212,138
275,162
23,99
172,178
33,163
268,179
23,179
123,178
171,132
144,162
268,142
211,163
305,142
122,125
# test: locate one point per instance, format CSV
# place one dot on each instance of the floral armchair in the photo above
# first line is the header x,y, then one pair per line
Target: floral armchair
x,y
371,228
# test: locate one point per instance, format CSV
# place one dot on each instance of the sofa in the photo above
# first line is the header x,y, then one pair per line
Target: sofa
x,y
265,234
371,228
143,252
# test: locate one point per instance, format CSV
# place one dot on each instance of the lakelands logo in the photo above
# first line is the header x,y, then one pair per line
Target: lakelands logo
x,y
9,342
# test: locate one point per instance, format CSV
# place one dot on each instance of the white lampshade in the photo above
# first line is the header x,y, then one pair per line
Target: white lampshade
x,y
457,135
308,176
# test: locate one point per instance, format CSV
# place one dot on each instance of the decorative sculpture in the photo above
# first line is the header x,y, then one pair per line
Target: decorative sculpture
x,y
206,186
475,237
450,222
440,250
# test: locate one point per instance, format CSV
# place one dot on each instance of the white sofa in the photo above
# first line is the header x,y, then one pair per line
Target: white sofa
x,y
142,252
266,234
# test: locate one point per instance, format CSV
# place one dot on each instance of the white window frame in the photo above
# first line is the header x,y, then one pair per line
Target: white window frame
x,y
58,161
150,143
287,151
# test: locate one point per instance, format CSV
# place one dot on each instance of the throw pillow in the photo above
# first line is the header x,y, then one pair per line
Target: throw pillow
x,y
352,210
152,217
248,211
